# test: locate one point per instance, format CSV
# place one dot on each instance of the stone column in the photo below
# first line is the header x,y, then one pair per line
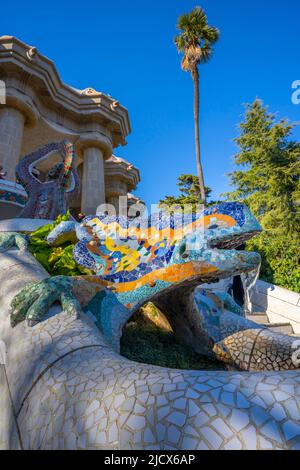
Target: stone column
x,y
114,201
93,186
11,136
115,188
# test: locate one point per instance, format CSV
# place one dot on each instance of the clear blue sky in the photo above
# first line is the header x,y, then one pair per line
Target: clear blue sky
x,y
125,48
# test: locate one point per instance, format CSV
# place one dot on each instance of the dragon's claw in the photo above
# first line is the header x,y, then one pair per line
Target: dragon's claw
x,y
34,301
9,240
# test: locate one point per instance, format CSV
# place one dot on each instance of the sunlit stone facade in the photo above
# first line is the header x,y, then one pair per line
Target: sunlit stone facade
x,y
39,108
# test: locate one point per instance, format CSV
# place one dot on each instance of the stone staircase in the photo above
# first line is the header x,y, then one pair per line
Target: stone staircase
x,y
263,319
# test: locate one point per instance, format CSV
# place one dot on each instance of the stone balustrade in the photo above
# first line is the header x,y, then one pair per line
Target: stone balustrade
x,y
281,305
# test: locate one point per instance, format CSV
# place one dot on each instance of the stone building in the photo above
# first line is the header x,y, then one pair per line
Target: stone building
x,y
39,108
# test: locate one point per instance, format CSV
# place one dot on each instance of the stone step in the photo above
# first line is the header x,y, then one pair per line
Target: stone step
x,y
263,319
285,328
258,317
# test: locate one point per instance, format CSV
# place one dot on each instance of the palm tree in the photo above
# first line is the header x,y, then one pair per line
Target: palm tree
x,y
195,41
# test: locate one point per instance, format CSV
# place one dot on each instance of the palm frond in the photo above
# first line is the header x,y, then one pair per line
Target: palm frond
x,y
183,22
207,52
180,43
210,34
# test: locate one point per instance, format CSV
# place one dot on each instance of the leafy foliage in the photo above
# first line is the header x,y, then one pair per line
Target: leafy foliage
x,y
268,182
195,39
280,259
56,260
189,194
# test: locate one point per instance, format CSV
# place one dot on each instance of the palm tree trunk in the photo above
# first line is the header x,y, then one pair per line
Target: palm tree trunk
x,y
195,76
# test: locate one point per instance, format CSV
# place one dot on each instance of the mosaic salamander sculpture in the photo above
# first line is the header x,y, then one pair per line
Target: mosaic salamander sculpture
x,y
72,390
161,260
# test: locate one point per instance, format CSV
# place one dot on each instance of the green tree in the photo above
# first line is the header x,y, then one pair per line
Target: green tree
x,y
268,182
189,193
195,40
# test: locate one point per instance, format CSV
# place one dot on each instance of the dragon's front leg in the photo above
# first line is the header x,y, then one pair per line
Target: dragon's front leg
x,y
33,301
75,294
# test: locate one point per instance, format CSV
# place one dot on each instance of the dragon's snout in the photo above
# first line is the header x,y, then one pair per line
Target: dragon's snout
x,y
230,225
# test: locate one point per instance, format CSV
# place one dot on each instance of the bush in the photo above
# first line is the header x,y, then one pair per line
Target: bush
x,y
280,259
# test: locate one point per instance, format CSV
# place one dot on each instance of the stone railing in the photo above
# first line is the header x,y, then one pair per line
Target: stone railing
x,y
281,305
